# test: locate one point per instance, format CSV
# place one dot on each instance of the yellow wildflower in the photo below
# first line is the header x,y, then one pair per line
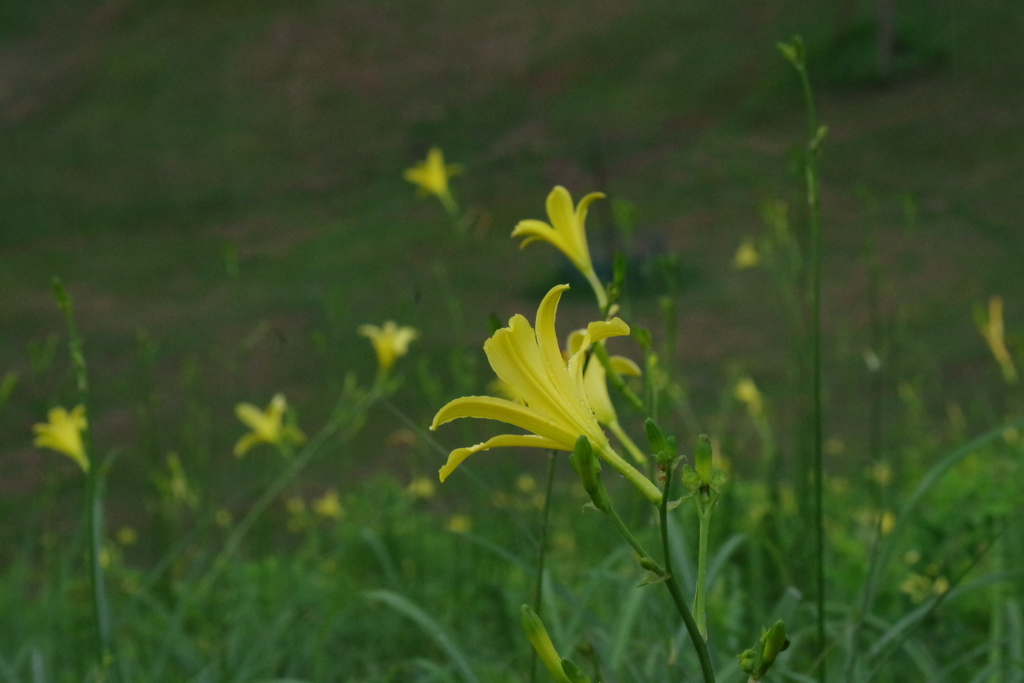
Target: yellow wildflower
x,y
747,392
390,342
431,175
63,433
567,232
993,332
127,535
223,518
556,409
460,524
266,425
329,505
746,256
421,487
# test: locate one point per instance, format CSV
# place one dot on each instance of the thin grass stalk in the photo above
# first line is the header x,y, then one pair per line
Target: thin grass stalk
x,y
542,545
673,587
94,492
796,54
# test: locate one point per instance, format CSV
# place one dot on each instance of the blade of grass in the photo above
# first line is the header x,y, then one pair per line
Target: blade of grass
x,y
430,627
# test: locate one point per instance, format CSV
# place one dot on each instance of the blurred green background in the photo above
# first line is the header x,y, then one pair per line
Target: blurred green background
x,y
219,185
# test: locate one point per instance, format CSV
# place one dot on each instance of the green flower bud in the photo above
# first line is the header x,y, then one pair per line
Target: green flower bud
x,y
588,467
756,661
541,642
702,459
663,447
690,480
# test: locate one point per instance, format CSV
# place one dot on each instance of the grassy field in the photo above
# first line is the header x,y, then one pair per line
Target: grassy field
x,y
219,185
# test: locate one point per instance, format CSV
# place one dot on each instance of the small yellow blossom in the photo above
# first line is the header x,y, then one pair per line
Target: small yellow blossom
x,y
431,175
421,487
329,505
266,425
880,473
390,342
747,392
993,332
126,535
526,483
460,524
556,409
888,523
567,232
912,556
63,433
746,256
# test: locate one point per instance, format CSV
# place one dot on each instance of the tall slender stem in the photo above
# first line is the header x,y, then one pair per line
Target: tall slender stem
x,y
542,544
815,135
699,602
94,491
699,643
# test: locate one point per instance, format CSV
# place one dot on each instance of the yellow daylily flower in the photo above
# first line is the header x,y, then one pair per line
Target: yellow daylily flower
x,y
747,392
431,175
557,410
567,232
746,256
993,332
63,433
266,425
390,342
329,505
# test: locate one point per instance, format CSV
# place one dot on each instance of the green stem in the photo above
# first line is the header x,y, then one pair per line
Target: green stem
x,y
699,643
699,602
634,475
94,491
815,135
538,591
599,292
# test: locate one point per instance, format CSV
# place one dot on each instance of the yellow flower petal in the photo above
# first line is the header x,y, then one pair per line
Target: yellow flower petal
x,y
390,342
456,457
63,433
567,232
266,425
557,409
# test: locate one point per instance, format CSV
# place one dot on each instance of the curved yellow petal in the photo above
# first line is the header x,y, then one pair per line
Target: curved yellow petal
x,y
581,211
456,457
535,230
491,408
596,385
625,366
255,419
246,442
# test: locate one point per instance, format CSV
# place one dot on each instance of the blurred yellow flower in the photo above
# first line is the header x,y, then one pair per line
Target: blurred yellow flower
x,y
993,332
747,392
421,487
567,232
63,433
126,535
295,505
390,342
460,524
431,175
329,505
526,484
556,409
746,256
266,425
